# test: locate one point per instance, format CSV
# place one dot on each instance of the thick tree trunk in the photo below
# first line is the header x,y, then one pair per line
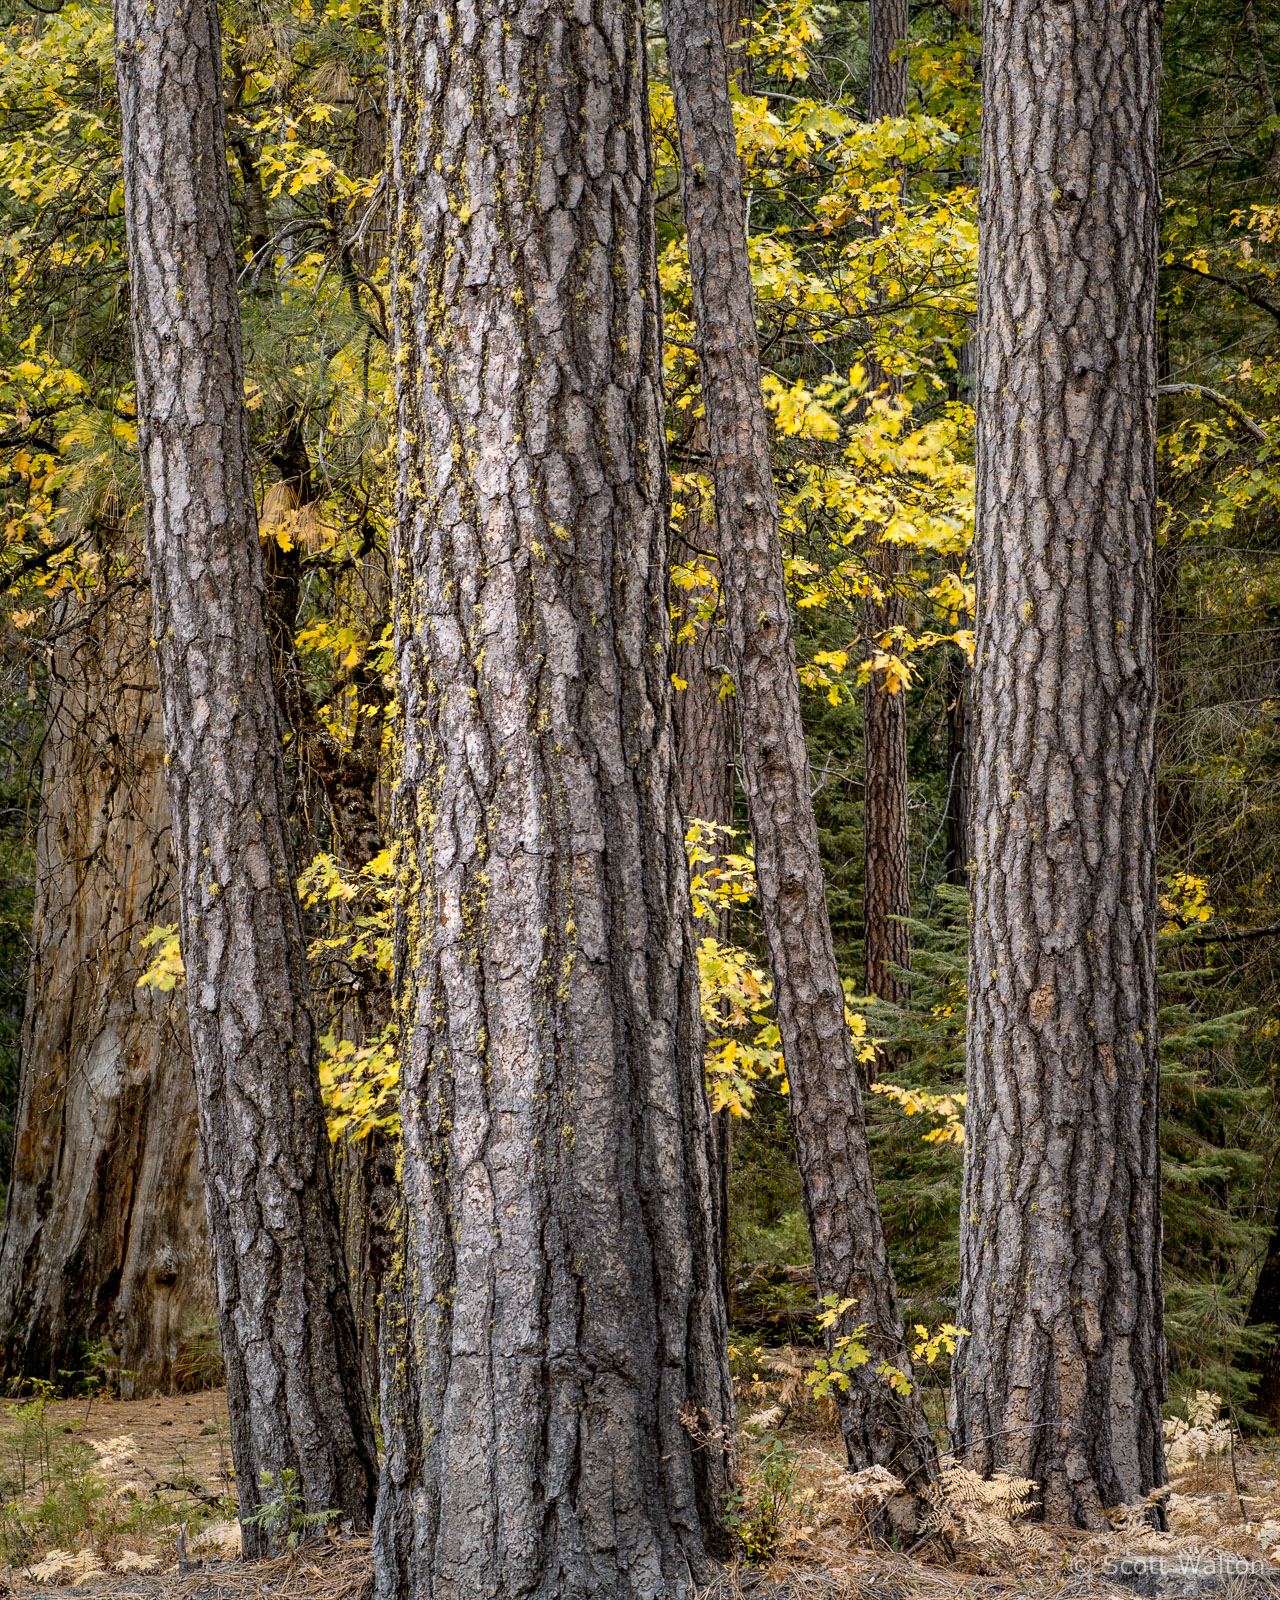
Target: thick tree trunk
x,y
287,1329
1063,1373
104,1230
570,1416
850,1256
886,845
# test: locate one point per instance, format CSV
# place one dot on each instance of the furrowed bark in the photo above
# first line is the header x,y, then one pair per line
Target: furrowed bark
x,y
287,1329
886,845
104,1229
563,1325
1062,1376
850,1256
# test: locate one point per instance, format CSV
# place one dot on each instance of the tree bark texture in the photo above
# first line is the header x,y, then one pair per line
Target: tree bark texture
x,y
850,1256
886,843
287,1328
563,1313
888,69
959,771
104,1230
1062,1376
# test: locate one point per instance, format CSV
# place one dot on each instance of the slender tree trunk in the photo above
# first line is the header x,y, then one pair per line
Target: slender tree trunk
x,y
1266,92
569,1422
104,1230
1062,1376
886,846
960,707
704,760
850,1257
287,1328
959,771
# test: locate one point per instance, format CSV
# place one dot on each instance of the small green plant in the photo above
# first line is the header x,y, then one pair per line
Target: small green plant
x,y
848,1352
759,1504
198,1364
51,1491
104,1374
283,1512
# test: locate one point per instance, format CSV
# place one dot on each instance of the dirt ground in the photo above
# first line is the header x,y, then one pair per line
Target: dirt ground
x,y
177,1436
173,1453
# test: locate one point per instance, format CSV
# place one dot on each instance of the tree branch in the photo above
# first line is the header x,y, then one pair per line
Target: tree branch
x,y
1237,412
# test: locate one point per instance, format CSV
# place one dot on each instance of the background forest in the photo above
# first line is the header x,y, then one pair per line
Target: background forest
x,y
863,240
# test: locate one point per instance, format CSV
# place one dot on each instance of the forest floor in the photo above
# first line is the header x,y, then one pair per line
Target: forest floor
x,y
134,1500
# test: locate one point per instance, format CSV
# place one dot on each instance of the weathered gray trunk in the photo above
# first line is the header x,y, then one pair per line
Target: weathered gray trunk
x,y
1063,1373
886,852
287,1329
104,1229
559,1411
850,1257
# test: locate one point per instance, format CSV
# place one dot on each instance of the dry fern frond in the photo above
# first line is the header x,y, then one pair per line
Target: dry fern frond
x,y
791,1367
1200,1436
115,1454
1203,1408
979,1512
873,1486
67,1567
959,1489
135,1561
1133,1520
224,1537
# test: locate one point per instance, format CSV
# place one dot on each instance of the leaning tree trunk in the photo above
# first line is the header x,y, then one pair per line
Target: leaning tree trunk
x,y
288,1333
566,1337
886,848
104,1230
1062,1374
850,1257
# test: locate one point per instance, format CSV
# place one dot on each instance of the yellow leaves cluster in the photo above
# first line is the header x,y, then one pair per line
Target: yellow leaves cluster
x,y
783,35
949,1108
743,1044
363,931
166,970
930,1346
1185,901
744,1048
847,1354
360,1085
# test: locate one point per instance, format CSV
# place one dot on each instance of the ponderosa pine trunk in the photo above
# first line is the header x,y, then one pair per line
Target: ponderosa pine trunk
x,y
851,1260
104,1229
886,852
288,1333
560,1415
1062,1375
